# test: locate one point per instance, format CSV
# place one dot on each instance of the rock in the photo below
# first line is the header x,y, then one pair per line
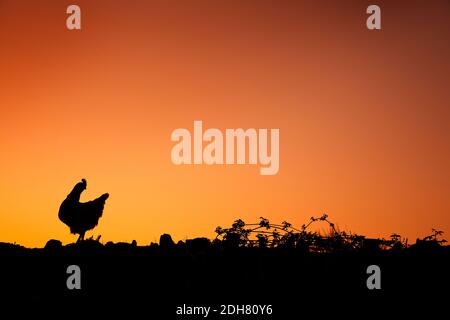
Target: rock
x,y
198,244
53,244
165,241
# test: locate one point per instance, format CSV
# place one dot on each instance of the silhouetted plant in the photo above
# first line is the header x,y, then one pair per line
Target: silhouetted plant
x,y
395,243
265,234
434,237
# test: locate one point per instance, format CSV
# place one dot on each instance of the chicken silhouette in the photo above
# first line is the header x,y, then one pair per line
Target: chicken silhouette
x,y
81,216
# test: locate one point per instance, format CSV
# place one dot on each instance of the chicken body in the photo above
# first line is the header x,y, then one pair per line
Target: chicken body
x,y
81,216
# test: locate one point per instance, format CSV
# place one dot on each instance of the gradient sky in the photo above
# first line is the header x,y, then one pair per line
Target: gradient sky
x,y
364,116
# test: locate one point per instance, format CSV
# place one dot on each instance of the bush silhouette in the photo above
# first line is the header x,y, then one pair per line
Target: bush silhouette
x,y
269,235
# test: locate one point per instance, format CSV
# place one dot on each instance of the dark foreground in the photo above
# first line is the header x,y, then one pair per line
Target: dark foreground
x,y
158,279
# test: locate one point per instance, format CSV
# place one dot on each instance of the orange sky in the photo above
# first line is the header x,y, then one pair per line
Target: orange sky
x,y
364,115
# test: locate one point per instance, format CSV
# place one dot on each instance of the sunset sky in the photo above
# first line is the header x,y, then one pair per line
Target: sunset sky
x,y
364,116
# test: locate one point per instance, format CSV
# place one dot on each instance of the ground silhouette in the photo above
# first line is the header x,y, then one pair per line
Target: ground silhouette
x,y
291,270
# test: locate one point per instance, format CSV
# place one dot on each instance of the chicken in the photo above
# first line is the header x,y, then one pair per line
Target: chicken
x,y
78,216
